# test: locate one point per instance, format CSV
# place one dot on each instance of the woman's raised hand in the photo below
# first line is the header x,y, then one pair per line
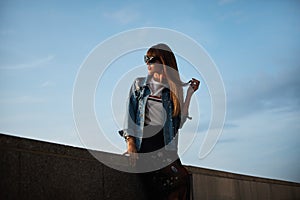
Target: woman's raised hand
x,y
193,87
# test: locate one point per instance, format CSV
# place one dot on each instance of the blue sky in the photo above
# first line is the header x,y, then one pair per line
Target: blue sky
x,y
254,44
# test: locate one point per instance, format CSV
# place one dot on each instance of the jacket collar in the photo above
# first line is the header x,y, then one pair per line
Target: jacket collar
x,y
147,80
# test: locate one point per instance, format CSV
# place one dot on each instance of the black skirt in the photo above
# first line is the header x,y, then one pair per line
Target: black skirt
x,y
172,179
153,139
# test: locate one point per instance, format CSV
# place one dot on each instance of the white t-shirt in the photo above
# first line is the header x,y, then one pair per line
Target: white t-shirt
x,y
155,113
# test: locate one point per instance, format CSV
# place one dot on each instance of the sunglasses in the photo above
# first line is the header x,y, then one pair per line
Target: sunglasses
x,y
150,60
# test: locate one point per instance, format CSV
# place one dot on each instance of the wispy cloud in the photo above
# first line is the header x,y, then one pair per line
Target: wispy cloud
x,y
21,100
33,64
47,84
225,2
279,92
122,16
236,16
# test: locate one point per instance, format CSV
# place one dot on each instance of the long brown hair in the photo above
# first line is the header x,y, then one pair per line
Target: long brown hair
x,y
167,57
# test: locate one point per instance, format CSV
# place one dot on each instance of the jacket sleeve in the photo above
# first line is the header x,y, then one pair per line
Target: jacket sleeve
x,y
183,120
130,116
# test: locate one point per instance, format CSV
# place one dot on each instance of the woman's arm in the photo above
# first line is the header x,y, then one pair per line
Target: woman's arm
x,y
128,134
193,87
131,150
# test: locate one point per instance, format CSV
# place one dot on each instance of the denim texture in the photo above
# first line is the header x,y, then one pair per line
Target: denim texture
x,y
135,118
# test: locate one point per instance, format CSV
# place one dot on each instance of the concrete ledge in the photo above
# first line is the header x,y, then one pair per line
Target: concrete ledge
x,y
212,184
31,169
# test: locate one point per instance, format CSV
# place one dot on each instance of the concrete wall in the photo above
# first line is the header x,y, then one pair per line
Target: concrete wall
x,y
32,169
211,184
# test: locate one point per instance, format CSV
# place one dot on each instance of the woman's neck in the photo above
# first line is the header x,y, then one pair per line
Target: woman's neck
x,y
158,77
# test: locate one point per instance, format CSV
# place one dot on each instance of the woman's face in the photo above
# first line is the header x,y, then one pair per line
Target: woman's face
x,y
156,67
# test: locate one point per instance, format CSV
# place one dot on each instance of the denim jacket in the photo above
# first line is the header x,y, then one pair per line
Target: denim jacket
x,y
135,118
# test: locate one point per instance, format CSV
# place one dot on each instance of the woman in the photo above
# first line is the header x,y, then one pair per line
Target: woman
x,y
156,111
